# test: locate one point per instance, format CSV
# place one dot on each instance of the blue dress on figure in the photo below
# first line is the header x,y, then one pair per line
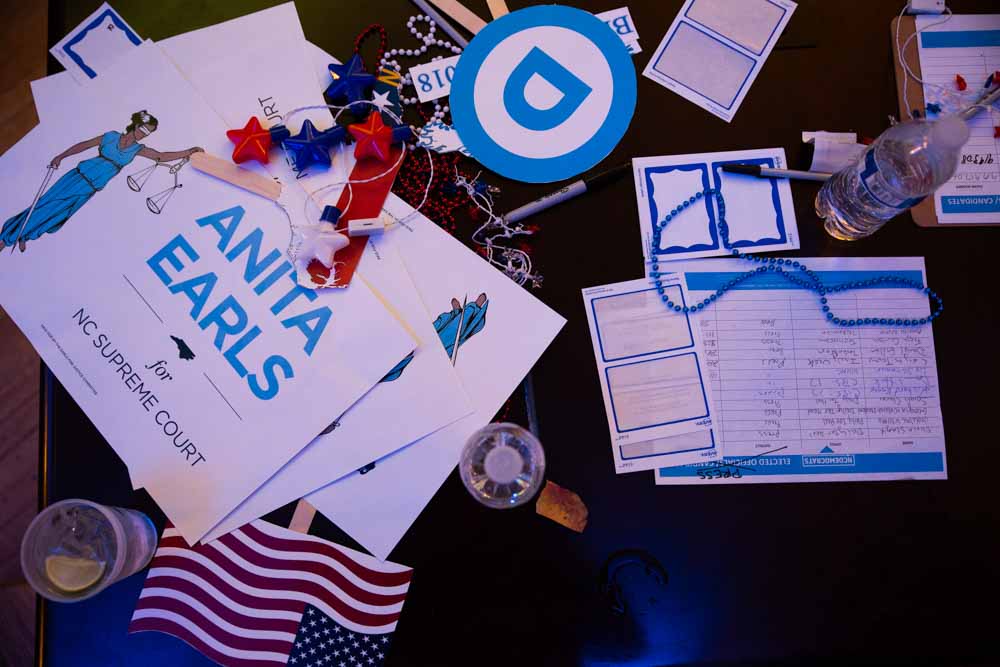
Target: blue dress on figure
x,y
446,326
71,191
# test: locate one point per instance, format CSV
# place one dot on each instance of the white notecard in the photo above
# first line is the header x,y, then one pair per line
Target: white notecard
x,y
714,50
620,20
98,42
433,80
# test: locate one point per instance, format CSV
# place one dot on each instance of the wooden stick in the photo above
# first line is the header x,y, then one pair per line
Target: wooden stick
x,y
225,170
303,517
465,17
498,8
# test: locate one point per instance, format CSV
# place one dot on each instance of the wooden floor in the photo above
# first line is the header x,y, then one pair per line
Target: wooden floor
x,y
23,32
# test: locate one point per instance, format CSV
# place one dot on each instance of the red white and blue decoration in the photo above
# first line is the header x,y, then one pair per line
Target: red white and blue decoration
x,y
253,141
311,146
351,82
265,595
374,138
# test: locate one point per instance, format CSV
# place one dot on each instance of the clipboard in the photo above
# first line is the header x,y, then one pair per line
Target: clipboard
x,y
924,213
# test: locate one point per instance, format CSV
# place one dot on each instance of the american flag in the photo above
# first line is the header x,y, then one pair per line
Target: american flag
x,y
265,595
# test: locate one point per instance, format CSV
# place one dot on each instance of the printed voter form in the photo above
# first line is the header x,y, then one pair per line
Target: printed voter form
x,y
802,400
651,364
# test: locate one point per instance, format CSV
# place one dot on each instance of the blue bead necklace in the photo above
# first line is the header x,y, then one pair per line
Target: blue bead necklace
x,y
810,281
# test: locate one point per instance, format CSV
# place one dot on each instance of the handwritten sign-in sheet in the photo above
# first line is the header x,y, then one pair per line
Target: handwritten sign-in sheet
x,y
799,399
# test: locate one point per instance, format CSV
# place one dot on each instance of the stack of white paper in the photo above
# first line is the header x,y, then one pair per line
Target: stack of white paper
x,y
164,302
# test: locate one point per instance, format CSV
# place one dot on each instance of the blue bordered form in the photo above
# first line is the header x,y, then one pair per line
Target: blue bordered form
x,y
779,219
709,205
600,339
725,105
711,440
655,216
78,37
543,170
777,23
701,386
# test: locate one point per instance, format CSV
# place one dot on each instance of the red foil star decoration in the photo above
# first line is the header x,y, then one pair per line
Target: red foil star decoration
x,y
374,138
252,142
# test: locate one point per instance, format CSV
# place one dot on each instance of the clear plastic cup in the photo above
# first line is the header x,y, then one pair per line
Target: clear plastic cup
x,y
74,549
502,465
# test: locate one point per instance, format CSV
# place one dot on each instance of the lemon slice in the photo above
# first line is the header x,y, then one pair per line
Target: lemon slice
x,y
73,574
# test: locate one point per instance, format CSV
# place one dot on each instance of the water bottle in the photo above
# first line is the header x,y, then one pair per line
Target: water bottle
x,y
905,164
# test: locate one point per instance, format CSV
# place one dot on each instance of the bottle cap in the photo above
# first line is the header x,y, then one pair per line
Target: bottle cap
x,y
950,132
503,464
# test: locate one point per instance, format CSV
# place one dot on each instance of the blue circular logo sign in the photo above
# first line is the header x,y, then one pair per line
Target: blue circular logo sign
x,y
543,93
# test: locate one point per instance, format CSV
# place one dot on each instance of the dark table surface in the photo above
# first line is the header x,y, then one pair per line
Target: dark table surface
x,y
876,573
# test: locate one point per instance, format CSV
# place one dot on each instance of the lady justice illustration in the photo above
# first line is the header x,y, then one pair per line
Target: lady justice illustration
x,y
454,327
115,150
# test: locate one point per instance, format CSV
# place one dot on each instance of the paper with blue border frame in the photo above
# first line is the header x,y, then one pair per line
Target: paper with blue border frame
x,y
652,372
715,49
800,399
99,41
759,211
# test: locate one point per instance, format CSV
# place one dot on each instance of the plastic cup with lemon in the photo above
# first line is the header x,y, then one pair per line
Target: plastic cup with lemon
x,y
76,548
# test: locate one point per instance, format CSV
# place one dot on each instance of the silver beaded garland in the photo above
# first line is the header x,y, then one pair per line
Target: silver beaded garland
x,y
427,39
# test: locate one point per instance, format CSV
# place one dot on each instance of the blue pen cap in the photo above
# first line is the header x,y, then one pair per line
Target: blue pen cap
x,y
278,134
330,214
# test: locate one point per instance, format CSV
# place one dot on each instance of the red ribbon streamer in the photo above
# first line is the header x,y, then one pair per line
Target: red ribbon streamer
x,y
366,201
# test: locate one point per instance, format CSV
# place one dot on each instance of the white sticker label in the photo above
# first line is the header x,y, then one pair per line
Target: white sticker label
x,y
620,20
433,80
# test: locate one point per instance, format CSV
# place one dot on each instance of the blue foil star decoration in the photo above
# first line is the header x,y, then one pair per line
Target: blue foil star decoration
x,y
350,82
310,146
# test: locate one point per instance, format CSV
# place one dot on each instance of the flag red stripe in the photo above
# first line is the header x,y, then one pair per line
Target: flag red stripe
x,y
179,631
277,585
224,612
325,571
240,642
371,576
234,594
344,607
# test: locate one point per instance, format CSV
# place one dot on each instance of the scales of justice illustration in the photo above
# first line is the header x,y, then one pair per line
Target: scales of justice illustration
x,y
158,201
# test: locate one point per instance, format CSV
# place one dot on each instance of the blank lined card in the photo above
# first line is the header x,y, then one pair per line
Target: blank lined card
x,y
715,48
